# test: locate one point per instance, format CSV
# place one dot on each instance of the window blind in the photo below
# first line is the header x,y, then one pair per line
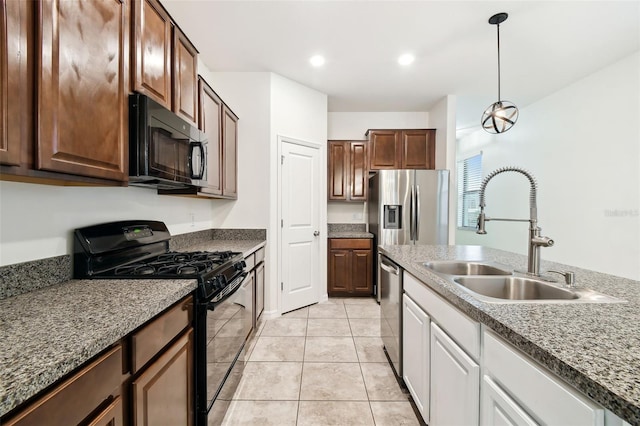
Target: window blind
x,y
469,181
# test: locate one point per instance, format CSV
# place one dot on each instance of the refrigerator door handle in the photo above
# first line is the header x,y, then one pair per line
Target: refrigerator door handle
x,y
412,214
417,215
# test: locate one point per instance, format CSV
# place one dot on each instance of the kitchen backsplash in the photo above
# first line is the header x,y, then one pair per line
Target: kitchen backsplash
x,y
29,276
239,234
347,227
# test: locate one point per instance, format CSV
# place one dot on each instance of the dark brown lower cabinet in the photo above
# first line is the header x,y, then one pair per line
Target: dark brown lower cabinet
x,y
75,399
350,267
110,416
163,393
147,378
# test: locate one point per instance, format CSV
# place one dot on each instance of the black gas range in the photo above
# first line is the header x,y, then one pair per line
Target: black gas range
x,y
223,311
140,249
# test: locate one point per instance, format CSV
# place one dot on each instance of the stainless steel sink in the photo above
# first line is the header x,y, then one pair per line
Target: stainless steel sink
x,y
515,288
503,289
465,268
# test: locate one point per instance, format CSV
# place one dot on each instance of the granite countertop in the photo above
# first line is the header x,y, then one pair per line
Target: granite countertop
x,y
593,346
47,333
246,247
350,234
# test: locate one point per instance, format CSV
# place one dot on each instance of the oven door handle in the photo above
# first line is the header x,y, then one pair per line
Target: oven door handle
x,y
227,292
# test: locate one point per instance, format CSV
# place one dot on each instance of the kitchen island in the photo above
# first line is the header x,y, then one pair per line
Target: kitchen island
x,y
594,347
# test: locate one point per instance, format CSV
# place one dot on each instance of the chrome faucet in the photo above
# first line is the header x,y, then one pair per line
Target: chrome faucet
x,y
535,239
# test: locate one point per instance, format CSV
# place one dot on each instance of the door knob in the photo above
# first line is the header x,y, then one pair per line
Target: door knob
x,y
316,233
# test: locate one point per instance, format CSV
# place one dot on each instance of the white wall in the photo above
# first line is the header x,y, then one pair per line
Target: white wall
x,y
248,94
352,126
582,145
299,113
442,117
36,221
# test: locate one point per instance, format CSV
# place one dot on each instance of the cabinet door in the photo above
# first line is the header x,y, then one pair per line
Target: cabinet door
x,y
210,113
110,416
359,171
415,354
163,393
455,383
185,74
497,408
259,290
229,153
15,84
339,272
152,56
418,149
82,105
384,149
338,167
361,261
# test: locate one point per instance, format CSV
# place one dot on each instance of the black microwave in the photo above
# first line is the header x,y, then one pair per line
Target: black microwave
x,y
165,151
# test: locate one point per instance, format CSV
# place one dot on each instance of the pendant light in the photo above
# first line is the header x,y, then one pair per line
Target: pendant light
x,y
501,115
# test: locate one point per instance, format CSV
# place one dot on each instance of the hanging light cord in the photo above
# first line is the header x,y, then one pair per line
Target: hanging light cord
x,y
499,97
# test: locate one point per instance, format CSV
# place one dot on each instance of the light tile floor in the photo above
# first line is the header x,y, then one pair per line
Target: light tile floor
x,y
320,365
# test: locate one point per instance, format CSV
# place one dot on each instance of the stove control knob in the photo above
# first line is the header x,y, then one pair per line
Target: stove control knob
x,y
240,265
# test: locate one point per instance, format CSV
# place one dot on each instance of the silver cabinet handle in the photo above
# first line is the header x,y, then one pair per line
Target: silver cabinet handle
x,y
316,233
389,268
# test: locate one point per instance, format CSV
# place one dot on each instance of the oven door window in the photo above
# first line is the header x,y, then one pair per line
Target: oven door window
x,y
226,331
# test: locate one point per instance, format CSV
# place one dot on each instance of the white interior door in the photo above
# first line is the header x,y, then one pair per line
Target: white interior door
x,y
300,213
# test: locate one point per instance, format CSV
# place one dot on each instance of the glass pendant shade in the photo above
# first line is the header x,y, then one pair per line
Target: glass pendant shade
x,y
499,117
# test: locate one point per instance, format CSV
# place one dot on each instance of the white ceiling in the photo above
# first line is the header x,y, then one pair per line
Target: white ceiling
x,y
545,45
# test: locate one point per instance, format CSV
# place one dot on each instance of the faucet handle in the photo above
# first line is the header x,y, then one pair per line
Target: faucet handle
x,y
569,277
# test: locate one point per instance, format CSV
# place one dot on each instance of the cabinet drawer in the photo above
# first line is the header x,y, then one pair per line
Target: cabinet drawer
x,y
259,255
545,397
75,398
349,243
148,341
461,328
250,261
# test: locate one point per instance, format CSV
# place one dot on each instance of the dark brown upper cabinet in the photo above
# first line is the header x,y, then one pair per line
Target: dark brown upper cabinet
x,y
402,149
229,153
82,80
16,24
348,170
210,122
151,59
185,75
165,62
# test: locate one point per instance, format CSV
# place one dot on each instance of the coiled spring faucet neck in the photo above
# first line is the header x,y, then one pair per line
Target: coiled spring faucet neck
x,y
533,191
535,239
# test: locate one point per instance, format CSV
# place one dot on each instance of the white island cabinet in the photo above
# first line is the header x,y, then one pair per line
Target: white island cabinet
x,y
415,357
461,373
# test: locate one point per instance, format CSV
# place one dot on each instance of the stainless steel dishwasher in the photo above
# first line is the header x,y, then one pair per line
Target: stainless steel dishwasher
x,y
390,279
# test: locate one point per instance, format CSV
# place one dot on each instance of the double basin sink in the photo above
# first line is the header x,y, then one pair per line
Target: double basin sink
x,y
492,283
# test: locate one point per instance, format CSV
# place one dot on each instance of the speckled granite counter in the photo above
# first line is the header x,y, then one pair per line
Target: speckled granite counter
x,y
350,235
244,246
593,346
47,333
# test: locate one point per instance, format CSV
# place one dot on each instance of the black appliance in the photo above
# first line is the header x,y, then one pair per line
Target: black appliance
x,y
165,151
224,297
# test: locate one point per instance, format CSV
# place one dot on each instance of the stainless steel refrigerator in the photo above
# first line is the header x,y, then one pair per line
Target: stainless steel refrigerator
x,y
405,207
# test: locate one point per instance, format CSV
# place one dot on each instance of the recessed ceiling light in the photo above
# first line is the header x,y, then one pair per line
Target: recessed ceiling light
x,y
317,60
406,59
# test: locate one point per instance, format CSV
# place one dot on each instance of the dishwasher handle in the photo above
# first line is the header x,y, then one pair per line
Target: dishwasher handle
x,y
390,268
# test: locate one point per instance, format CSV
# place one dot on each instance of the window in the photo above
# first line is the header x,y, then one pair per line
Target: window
x,y
469,181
